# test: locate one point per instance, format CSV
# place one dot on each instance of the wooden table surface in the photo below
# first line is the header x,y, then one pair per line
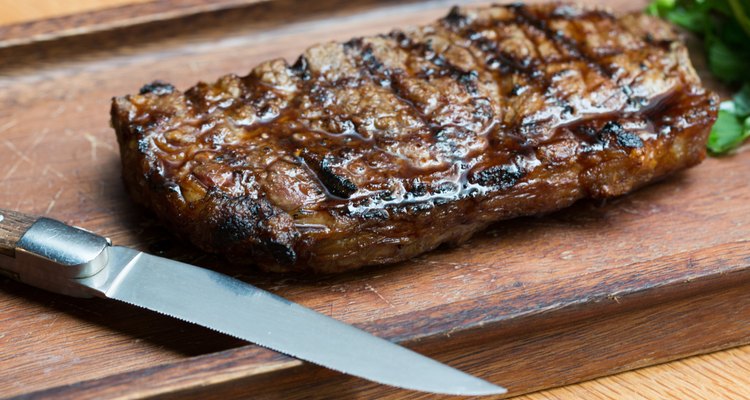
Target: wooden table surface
x,y
724,374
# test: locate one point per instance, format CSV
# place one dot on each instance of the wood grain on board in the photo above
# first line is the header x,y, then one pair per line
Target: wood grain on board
x,y
92,19
531,303
33,10
12,226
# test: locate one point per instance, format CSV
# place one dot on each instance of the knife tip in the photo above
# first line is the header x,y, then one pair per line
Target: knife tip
x,y
483,389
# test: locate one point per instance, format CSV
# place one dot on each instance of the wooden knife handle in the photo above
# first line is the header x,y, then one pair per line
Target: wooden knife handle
x,y
12,226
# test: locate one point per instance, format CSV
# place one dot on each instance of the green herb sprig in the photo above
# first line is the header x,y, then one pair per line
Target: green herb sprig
x,y
724,26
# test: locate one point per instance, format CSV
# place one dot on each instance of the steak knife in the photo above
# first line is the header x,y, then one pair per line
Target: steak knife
x,y
51,255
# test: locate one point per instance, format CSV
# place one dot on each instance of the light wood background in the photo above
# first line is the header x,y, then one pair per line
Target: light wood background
x,y
720,375
12,12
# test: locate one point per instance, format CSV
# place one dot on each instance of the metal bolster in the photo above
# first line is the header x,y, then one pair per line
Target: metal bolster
x,y
52,256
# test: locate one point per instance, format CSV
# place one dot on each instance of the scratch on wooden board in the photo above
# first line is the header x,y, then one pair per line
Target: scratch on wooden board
x,y
39,138
372,289
17,152
47,168
13,168
94,144
25,200
567,255
4,127
54,320
53,201
614,298
194,67
57,173
59,110
21,156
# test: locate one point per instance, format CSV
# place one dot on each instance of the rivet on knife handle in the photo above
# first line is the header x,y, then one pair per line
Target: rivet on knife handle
x,y
12,226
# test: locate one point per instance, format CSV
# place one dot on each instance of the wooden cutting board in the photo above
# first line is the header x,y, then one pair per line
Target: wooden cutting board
x,y
531,303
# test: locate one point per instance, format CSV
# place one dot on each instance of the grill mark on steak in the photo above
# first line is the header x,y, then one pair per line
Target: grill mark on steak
x,y
442,135
508,174
502,62
381,148
576,49
573,49
379,74
497,59
336,184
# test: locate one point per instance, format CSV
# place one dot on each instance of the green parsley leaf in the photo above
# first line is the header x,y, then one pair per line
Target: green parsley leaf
x,y
694,19
741,101
724,63
728,132
659,7
725,28
740,15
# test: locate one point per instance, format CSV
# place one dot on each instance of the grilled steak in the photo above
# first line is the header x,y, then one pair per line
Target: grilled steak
x,y
381,148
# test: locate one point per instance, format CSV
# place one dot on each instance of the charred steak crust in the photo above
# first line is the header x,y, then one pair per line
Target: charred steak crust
x,y
381,148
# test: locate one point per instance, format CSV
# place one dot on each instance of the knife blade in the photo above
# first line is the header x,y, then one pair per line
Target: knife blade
x,y
72,261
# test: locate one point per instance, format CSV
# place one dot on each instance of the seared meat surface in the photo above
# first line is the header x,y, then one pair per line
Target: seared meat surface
x,y
381,148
